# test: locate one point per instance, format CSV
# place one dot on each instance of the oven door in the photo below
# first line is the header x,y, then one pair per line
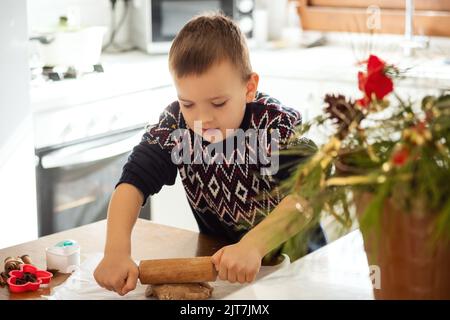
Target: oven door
x,y
169,16
75,183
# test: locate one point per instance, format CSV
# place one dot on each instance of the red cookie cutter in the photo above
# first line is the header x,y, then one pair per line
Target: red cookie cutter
x,y
42,278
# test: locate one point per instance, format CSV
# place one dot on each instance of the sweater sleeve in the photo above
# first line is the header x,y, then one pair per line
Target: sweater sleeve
x,y
298,151
293,149
149,166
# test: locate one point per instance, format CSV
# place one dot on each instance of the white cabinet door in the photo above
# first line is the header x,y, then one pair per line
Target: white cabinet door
x,y
17,168
170,207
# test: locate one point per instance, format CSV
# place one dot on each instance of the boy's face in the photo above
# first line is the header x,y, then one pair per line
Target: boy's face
x,y
216,99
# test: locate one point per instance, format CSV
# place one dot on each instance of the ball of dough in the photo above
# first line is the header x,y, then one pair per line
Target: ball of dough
x,y
180,291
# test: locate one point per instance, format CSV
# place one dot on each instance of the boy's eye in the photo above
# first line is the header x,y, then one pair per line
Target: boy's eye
x,y
187,105
219,104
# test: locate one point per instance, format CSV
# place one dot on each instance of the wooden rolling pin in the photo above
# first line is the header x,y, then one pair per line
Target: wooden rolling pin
x,y
185,270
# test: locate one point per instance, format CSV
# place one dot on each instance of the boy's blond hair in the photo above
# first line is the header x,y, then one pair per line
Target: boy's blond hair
x,y
205,40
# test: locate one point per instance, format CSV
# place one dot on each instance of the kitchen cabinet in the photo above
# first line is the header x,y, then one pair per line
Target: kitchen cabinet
x,y
68,123
171,207
17,187
305,95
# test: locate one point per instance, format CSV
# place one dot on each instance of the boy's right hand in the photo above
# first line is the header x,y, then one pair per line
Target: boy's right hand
x,y
117,273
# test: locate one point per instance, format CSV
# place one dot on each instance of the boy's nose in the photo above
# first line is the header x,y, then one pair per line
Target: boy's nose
x,y
199,123
206,119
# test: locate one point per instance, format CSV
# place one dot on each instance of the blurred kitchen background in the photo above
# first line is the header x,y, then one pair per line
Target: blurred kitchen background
x,y
79,79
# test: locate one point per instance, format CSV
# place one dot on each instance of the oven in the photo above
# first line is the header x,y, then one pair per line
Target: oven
x,y
155,23
75,180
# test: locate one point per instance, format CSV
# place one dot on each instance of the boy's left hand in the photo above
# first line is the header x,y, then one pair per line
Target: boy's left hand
x,y
237,262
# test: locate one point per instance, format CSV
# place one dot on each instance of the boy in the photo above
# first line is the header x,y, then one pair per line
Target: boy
x,y
217,96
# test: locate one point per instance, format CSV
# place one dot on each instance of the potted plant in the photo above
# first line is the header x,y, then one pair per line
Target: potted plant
x,y
388,160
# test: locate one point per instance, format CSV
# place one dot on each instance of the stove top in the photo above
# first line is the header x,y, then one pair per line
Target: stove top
x,y
59,73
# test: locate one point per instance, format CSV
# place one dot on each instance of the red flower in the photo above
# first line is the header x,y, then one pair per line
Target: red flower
x,y
363,101
400,157
362,80
375,64
375,81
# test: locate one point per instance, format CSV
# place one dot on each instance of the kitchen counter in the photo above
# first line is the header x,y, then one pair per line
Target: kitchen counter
x,y
124,74
336,271
135,71
136,87
168,242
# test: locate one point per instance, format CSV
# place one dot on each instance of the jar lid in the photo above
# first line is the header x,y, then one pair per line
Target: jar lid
x,y
65,247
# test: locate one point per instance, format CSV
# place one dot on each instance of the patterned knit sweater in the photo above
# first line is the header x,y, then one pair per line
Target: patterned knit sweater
x,y
227,199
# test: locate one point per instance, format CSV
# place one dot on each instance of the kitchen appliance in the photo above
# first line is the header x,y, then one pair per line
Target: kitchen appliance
x,y
75,180
78,48
65,53
84,131
49,73
182,270
155,23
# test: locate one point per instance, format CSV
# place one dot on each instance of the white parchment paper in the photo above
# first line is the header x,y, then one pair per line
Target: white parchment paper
x,y
81,285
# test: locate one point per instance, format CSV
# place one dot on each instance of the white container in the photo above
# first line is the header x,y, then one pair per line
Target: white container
x,y
277,13
64,256
261,27
292,32
81,48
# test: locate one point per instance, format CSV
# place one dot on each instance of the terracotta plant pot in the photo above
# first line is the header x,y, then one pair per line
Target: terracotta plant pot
x,y
410,266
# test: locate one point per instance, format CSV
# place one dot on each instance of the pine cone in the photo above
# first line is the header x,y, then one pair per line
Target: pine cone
x,y
343,112
3,279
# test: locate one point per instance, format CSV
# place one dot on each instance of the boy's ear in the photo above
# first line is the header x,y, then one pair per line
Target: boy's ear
x,y
252,87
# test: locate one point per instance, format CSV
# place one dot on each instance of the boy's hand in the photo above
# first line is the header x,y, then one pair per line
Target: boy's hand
x,y
117,273
237,263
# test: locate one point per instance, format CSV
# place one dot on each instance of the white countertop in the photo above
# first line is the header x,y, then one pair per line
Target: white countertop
x,y
136,71
337,271
124,74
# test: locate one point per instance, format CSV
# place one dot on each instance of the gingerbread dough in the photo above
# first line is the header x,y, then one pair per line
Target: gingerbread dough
x,y
180,291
